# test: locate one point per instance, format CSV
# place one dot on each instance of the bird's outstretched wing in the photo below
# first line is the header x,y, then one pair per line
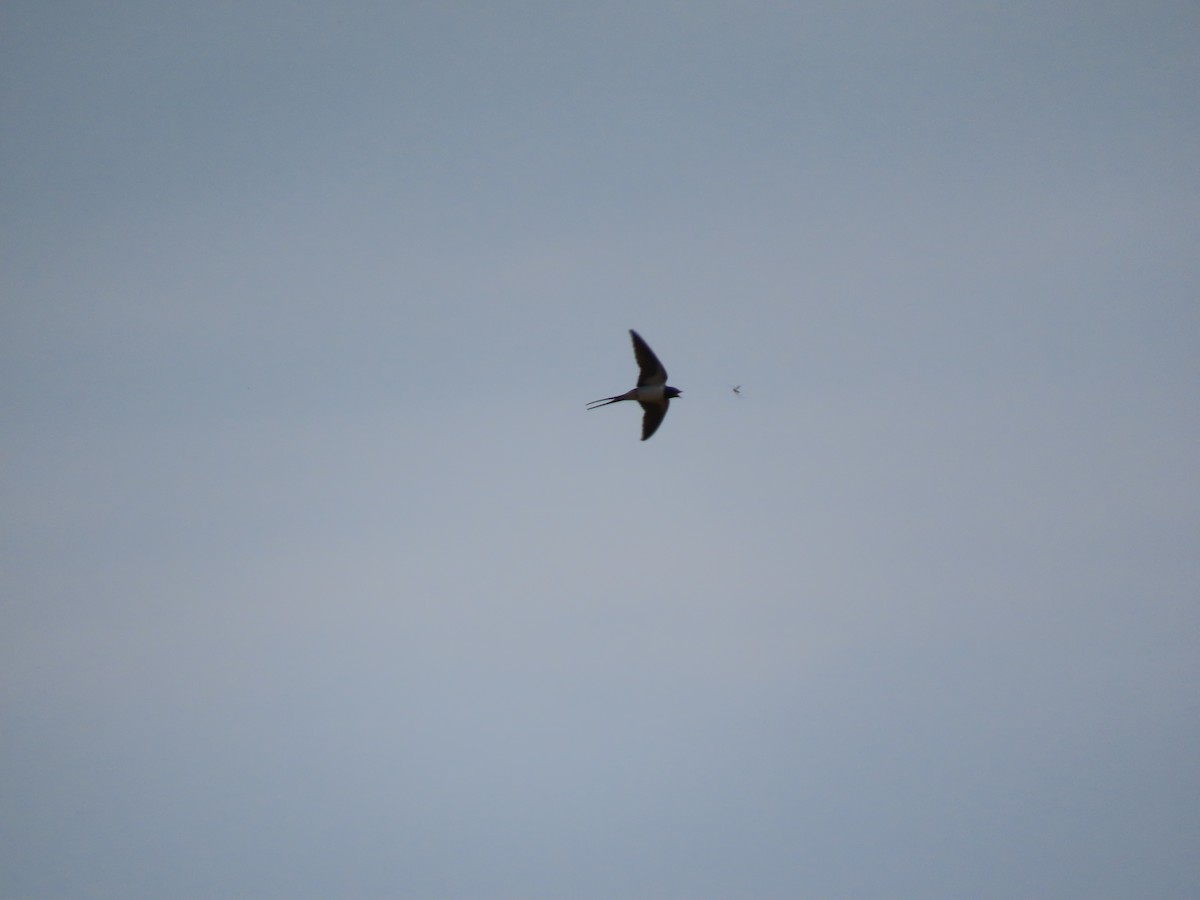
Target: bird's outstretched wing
x,y
654,413
652,372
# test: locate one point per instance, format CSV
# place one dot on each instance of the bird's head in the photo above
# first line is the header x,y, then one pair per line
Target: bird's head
x,y
672,393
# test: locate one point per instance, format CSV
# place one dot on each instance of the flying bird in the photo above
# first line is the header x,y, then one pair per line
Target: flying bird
x,y
737,389
652,391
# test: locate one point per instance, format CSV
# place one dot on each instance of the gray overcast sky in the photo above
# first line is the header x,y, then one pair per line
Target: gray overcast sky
x,y
318,580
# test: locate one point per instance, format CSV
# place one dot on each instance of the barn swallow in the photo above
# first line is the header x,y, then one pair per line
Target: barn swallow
x,y
652,391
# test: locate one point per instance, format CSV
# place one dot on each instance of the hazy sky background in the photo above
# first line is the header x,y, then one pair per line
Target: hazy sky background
x,y
318,580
